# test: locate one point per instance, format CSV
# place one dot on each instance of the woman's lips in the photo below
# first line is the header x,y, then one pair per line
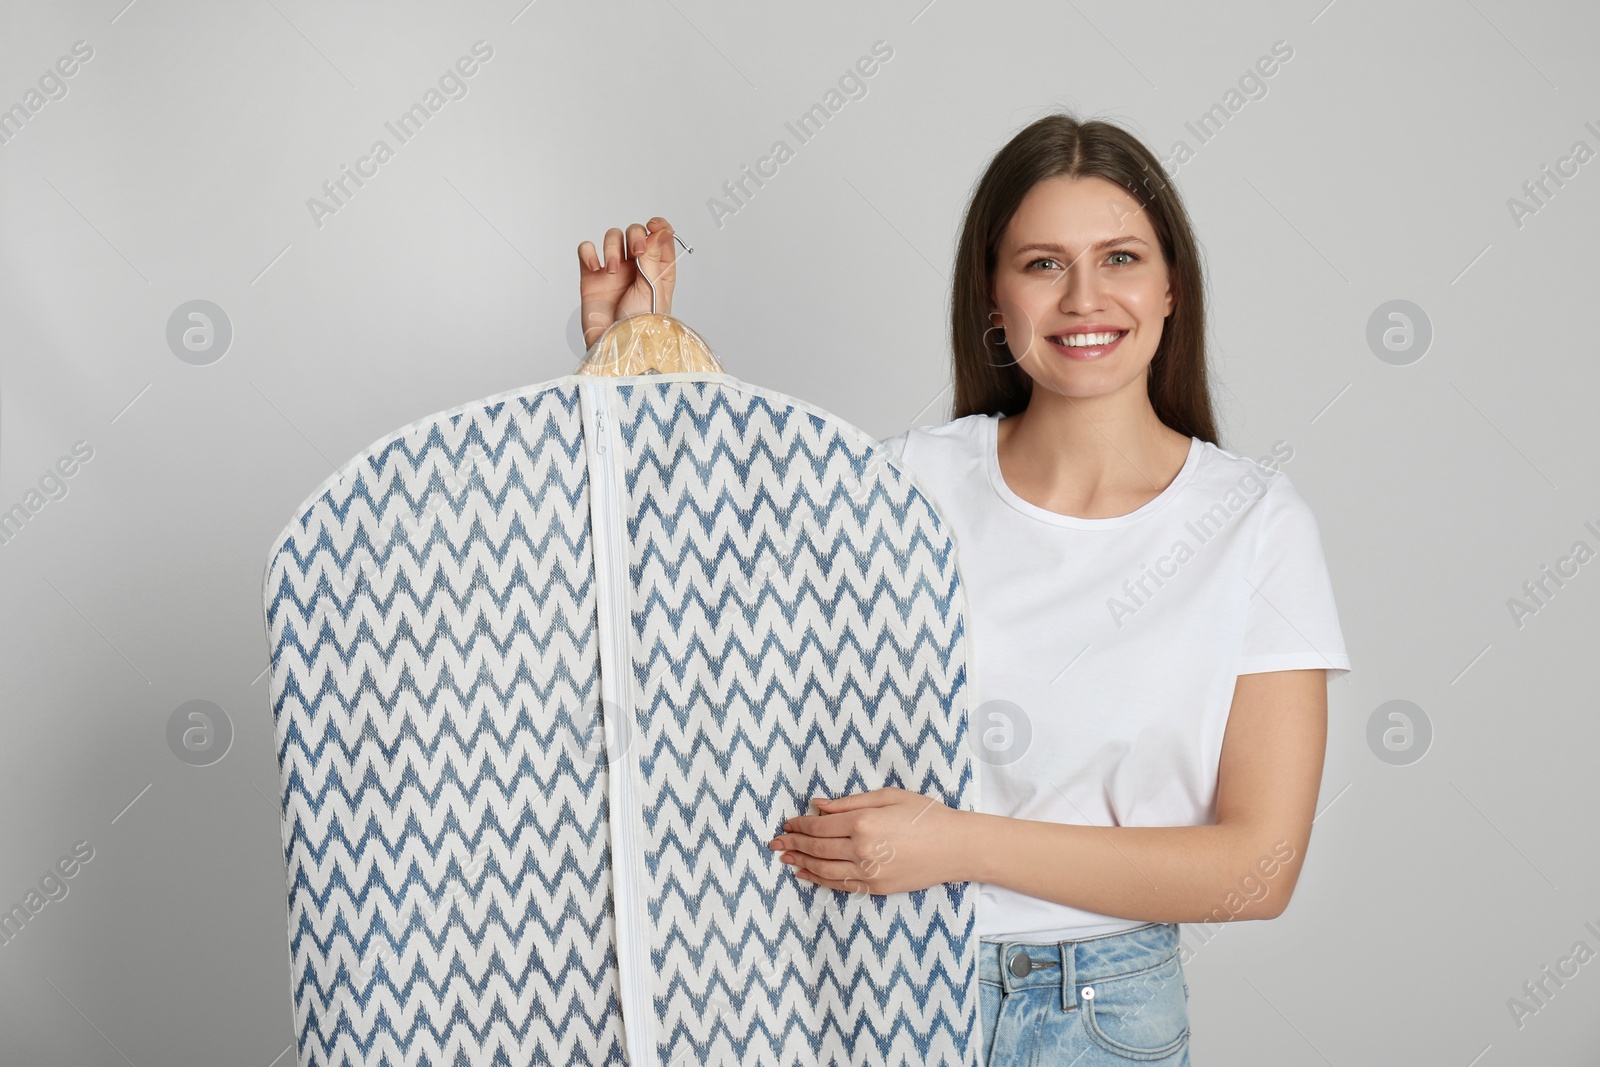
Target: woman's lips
x,y
1086,353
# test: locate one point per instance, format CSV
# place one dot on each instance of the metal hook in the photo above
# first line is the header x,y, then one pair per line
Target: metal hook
x,y
646,277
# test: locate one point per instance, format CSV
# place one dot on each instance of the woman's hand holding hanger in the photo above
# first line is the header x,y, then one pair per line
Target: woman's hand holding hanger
x,y
613,288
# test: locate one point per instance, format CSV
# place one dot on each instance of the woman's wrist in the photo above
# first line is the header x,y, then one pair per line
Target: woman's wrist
x,y
970,831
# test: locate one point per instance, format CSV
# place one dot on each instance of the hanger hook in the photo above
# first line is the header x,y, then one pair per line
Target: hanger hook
x,y
646,277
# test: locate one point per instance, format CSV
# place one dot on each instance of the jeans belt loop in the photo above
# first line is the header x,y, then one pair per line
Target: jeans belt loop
x,y
1069,977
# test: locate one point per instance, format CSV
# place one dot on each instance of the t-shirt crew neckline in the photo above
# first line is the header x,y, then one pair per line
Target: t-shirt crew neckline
x,y
1150,507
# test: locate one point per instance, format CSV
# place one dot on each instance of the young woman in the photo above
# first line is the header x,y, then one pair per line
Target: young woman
x,y
1152,620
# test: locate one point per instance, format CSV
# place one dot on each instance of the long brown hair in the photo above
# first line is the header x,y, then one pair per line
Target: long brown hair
x,y
1059,145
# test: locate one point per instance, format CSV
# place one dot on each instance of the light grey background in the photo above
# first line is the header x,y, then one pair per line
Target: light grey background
x,y
1378,165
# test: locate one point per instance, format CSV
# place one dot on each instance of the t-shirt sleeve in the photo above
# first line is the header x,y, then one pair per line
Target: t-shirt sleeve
x,y
1291,621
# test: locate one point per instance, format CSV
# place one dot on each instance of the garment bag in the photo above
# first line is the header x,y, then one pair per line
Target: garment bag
x,y
549,669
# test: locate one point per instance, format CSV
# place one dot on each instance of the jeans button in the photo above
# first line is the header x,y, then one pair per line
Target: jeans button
x,y
1021,965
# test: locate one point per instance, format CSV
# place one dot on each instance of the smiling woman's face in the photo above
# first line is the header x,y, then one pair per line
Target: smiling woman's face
x,y
1080,254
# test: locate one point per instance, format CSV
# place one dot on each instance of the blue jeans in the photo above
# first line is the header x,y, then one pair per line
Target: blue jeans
x,y
1112,999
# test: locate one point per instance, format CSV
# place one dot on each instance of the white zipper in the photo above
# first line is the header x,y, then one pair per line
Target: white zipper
x,y
616,656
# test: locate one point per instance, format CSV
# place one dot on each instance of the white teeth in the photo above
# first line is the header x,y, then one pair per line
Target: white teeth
x,y
1089,340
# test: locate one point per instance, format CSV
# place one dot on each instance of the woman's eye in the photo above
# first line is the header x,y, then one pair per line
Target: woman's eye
x,y
1130,255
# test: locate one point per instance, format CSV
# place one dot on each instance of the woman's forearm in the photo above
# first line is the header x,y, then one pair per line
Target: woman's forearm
x,y
1184,874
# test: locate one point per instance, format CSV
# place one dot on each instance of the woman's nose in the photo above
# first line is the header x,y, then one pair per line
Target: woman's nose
x,y
1081,287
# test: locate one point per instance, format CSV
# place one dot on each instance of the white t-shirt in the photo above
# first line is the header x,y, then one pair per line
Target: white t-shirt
x,y
1106,649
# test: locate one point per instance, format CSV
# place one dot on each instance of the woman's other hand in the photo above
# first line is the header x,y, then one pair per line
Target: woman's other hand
x,y
613,289
887,840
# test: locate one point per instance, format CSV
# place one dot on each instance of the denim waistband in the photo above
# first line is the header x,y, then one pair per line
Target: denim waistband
x,y
1072,963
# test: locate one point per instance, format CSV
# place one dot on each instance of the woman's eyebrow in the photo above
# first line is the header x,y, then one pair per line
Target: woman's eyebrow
x,y
1050,246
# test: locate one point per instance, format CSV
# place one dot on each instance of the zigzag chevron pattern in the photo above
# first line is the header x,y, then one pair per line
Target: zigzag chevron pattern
x,y
794,627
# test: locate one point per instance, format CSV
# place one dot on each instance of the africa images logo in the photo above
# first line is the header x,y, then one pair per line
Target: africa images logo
x,y
452,86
